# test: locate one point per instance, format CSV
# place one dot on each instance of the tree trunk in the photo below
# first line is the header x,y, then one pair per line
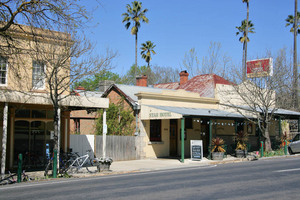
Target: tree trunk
x,y
246,44
135,68
266,135
295,66
244,63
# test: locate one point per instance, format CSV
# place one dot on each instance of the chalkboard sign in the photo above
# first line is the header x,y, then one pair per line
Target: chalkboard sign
x,y
196,150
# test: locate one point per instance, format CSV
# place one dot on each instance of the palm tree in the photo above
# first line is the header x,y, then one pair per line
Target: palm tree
x,y
134,16
147,49
294,21
246,42
244,29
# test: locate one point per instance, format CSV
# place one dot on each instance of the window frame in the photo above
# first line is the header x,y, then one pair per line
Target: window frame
x,y
6,70
155,131
42,65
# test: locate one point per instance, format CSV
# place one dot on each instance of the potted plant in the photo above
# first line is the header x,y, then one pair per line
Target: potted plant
x,y
104,164
218,148
241,146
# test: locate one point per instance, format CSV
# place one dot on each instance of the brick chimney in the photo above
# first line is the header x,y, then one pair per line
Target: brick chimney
x,y
184,77
141,81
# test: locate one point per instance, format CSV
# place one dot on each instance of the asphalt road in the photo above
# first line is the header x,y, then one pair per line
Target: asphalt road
x,y
262,179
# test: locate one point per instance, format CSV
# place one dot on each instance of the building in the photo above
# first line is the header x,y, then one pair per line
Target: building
x,y
192,109
25,101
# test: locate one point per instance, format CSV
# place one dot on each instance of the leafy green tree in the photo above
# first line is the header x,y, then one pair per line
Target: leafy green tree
x,y
294,21
244,29
120,121
147,48
130,77
134,16
92,83
290,22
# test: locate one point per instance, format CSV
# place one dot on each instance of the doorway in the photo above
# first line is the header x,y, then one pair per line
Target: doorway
x,y
173,137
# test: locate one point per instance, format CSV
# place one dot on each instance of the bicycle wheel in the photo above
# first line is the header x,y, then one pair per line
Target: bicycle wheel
x,y
93,167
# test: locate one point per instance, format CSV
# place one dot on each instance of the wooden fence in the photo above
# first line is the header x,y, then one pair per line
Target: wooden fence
x,y
117,147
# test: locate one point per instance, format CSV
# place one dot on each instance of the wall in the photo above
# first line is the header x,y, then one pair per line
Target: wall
x,y
50,45
157,149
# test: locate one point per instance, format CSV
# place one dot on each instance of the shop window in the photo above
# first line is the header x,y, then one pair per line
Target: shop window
x,y
188,123
22,113
3,71
38,75
155,130
39,114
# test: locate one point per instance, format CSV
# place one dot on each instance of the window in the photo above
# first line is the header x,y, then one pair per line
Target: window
x,y
155,130
3,71
77,125
188,123
38,75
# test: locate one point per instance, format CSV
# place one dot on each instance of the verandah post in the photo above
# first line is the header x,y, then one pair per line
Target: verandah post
x,y
182,140
210,138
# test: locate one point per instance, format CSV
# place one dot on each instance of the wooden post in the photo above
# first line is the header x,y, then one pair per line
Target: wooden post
x,y
182,140
4,139
104,134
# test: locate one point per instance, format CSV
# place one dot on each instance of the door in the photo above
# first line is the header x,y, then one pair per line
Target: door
x,y
205,137
173,137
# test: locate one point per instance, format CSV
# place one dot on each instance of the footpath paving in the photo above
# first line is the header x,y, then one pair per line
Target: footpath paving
x,y
133,166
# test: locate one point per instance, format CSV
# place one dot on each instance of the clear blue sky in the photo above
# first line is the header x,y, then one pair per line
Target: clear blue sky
x,y
176,26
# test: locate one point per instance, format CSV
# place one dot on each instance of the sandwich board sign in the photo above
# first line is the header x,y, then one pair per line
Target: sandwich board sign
x,y
196,149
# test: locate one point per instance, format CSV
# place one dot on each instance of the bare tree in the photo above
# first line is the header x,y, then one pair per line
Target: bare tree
x,y
191,62
255,98
216,61
66,60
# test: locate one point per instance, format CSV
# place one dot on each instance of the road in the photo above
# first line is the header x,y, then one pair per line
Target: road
x,y
262,179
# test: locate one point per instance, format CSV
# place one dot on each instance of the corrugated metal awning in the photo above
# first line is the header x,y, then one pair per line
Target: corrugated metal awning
x,y
170,112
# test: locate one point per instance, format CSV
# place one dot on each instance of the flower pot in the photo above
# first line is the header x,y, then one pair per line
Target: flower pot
x,y
103,166
217,155
241,153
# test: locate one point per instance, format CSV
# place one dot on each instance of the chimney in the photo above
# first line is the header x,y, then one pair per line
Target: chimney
x,y
141,81
184,77
104,85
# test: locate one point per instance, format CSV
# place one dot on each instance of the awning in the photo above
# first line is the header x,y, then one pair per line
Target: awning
x,y
70,101
169,112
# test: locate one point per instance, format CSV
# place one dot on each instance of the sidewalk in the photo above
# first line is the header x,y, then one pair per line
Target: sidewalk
x,y
122,167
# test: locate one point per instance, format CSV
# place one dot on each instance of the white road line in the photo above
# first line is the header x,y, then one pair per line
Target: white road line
x,y
37,184
288,170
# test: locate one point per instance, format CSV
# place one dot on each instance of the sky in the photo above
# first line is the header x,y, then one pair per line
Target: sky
x,y
176,26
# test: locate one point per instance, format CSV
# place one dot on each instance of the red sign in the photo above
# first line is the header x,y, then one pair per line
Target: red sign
x,y
259,68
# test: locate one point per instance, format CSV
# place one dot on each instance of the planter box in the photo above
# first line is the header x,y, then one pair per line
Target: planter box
x,y
217,155
241,153
103,166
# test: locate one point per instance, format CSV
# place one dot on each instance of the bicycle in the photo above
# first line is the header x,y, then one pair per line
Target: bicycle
x,y
64,160
84,161
10,179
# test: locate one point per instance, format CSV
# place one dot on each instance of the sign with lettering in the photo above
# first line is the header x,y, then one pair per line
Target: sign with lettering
x,y
260,67
160,115
196,149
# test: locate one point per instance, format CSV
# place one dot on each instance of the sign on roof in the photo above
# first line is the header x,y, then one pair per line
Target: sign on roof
x,y
259,68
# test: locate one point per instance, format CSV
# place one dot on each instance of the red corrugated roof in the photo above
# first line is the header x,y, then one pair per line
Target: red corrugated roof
x,y
172,86
203,84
